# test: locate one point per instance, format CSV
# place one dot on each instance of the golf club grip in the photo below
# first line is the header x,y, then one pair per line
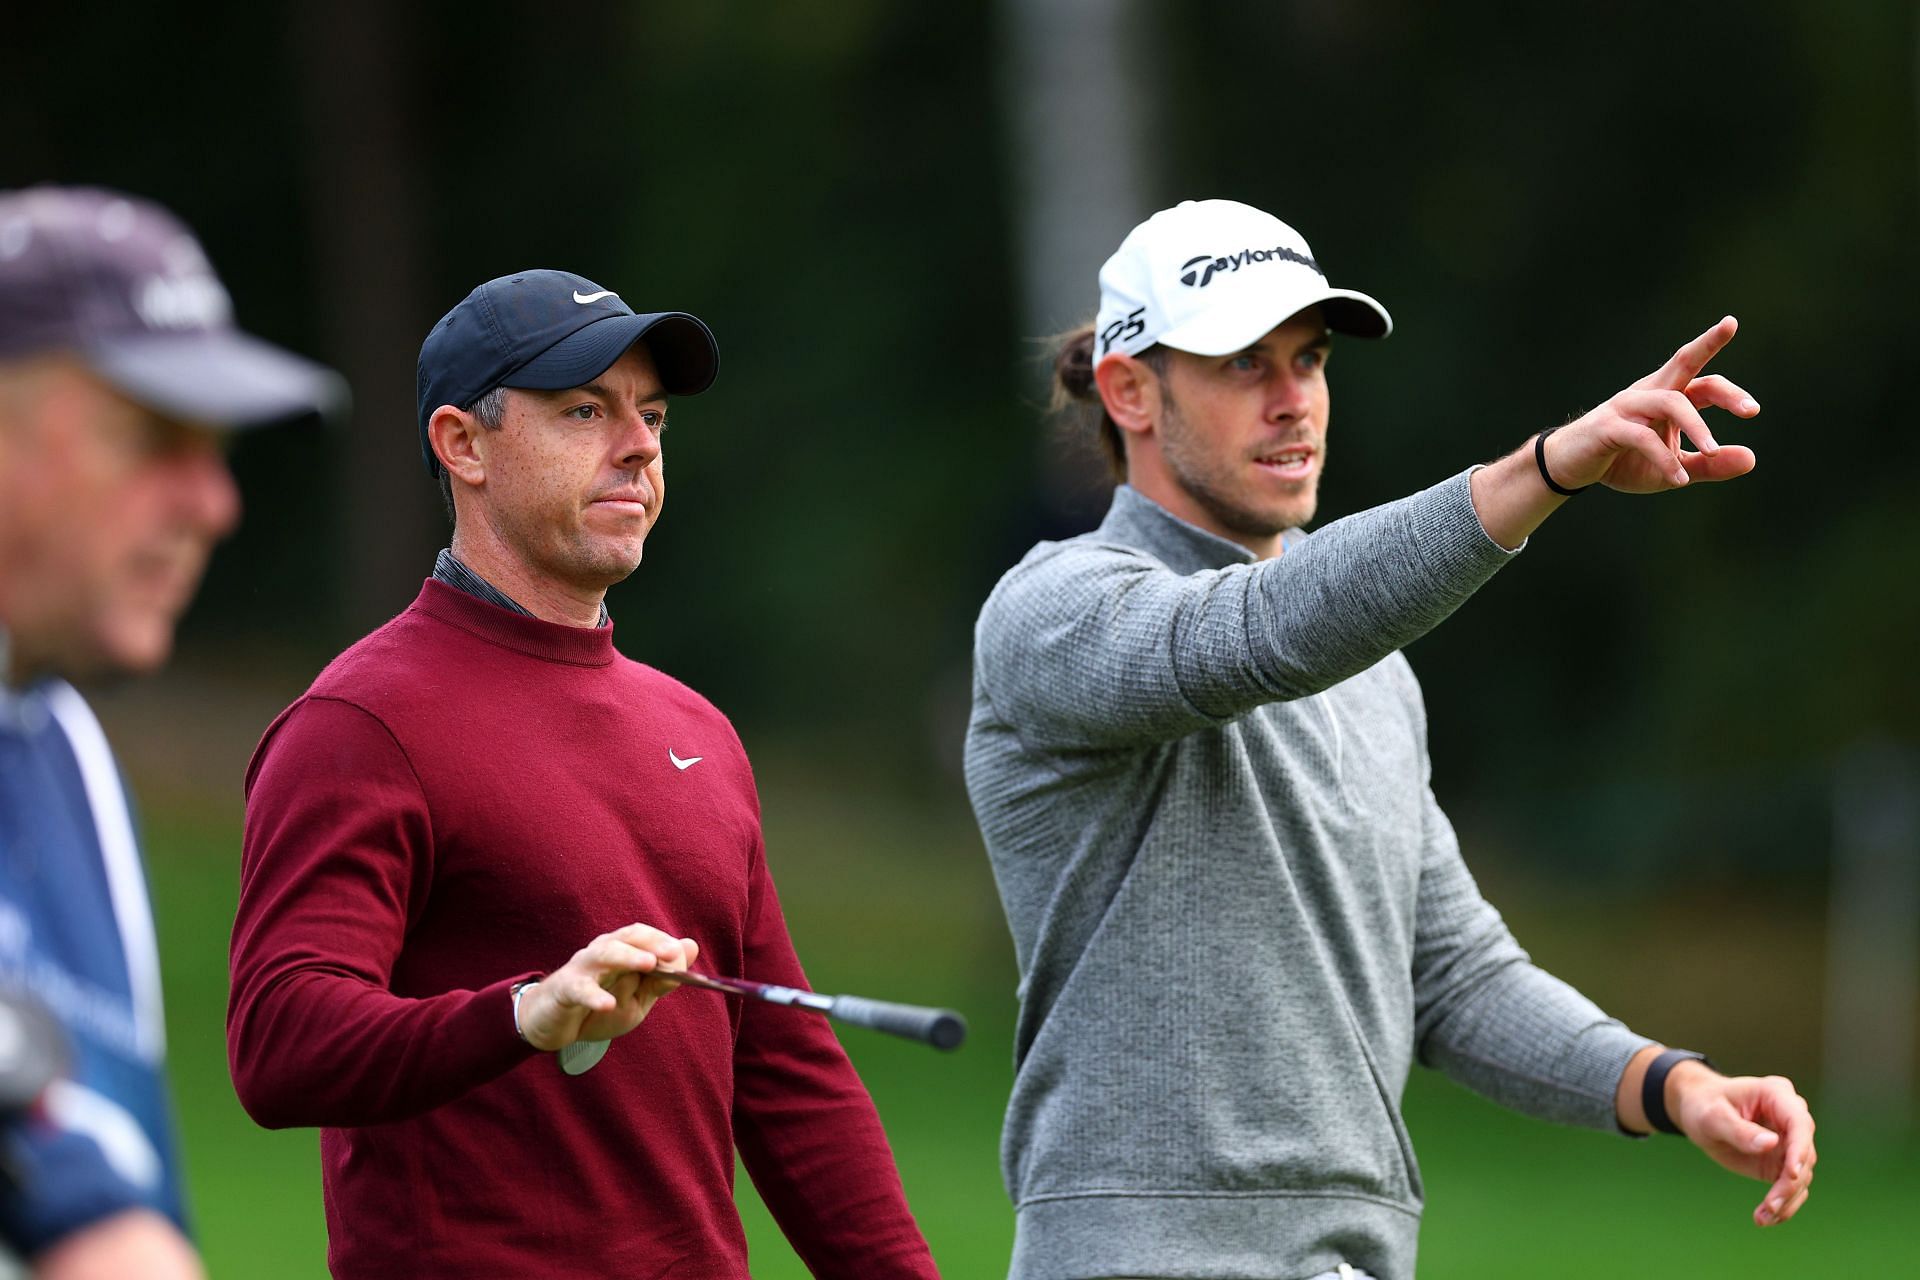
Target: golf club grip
x,y
941,1028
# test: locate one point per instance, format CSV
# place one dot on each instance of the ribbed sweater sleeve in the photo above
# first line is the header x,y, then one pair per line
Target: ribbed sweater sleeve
x,y
1491,1019
1088,645
335,865
806,1129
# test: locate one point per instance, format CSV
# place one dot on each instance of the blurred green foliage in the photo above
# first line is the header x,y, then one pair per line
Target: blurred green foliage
x,y
1548,198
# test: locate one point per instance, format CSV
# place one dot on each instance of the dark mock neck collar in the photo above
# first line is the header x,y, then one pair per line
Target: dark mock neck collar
x,y
453,571
520,632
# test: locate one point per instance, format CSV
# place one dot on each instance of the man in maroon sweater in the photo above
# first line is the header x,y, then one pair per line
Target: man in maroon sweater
x,y
481,829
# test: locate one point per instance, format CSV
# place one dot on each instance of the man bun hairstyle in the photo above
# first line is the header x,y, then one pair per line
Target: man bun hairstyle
x,y
1076,402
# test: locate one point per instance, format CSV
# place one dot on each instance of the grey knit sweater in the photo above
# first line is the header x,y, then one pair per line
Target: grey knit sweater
x,y
1239,913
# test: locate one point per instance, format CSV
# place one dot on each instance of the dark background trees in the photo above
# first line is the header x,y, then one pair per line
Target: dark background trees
x,y
1649,708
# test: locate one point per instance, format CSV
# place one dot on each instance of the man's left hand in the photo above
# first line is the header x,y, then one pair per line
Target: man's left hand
x,y
604,990
1754,1125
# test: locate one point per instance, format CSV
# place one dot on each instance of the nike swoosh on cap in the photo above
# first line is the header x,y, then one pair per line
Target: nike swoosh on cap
x,y
584,298
678,763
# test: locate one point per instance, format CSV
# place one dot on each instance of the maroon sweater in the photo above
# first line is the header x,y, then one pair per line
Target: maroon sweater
x,y
462,800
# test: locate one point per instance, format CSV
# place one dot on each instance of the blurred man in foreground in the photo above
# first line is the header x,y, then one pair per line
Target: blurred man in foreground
x,y
120,375
1194,737
480,831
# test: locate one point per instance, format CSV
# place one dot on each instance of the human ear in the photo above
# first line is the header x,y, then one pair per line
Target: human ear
x,y
1130,391
455,435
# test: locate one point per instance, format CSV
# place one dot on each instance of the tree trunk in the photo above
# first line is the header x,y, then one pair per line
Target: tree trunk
x,y
364,175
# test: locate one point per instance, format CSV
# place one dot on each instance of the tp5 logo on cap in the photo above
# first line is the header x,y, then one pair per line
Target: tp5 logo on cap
x,y
1158,288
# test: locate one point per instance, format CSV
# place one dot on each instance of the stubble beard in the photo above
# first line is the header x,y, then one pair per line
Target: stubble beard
x,y
574,558
603,564
1209,482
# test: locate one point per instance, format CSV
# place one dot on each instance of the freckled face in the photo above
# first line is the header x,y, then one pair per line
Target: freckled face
x,y
1244,436
574,479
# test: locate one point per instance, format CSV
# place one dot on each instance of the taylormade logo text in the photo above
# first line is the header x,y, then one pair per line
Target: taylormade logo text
x,y
1198,271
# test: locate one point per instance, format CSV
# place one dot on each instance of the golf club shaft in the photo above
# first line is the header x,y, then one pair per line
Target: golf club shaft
x,y
941,1028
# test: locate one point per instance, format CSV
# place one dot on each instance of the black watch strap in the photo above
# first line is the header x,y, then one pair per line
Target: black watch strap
x,y
1653,1089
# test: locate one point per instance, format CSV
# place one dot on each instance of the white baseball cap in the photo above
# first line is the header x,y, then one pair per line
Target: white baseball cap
x,y
1212,277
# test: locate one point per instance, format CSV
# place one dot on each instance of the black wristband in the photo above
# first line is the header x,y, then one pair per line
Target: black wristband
x,y
1653,1089
1540,460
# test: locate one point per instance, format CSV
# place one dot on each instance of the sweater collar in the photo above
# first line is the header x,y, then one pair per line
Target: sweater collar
x,y
453,571
1137,521
522,633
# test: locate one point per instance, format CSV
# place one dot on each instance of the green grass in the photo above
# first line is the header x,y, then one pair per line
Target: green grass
x,y
1507,1196
255,1195
889,900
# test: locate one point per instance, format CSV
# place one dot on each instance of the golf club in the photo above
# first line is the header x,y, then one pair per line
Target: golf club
x,y
941,1028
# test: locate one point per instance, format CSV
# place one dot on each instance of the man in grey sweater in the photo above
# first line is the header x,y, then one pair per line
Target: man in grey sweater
x,y
1194,726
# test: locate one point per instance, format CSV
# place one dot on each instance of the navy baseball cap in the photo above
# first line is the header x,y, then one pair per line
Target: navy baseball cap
x,y
547,331
122,285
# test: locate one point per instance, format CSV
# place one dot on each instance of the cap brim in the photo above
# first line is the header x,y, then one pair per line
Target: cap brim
x,y
683,351
219,378
1222,330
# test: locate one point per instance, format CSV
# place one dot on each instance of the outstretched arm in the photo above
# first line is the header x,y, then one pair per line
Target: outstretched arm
x,y
1093,644
1631,443
1756,1126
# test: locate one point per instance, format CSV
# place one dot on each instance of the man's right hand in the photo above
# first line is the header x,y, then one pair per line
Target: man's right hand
x,y
604,991
1631,443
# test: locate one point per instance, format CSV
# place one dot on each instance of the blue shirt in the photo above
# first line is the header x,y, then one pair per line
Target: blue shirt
x,y
76,931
